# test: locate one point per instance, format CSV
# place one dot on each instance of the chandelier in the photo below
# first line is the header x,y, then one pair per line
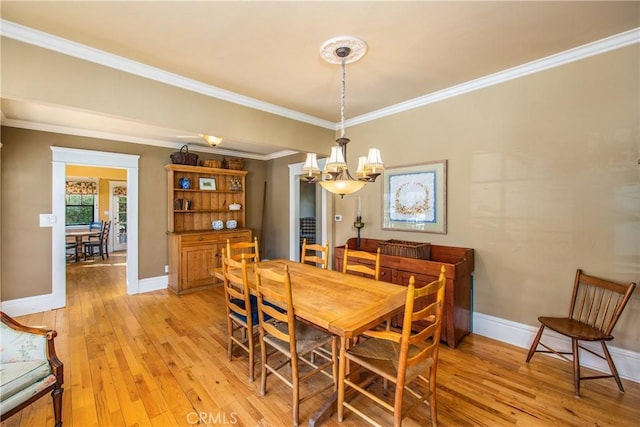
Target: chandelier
x,y
337,178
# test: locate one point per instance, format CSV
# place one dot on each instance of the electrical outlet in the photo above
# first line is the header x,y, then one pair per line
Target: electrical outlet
x,y
166,268
337,218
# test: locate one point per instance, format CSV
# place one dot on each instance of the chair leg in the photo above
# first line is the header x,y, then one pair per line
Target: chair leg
x,y
230,341
612,366
56,395
295,380
250,343
263,364
534,344
576,367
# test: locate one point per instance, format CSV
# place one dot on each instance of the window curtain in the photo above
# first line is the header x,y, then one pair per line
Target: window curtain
x,y
81,187
120,191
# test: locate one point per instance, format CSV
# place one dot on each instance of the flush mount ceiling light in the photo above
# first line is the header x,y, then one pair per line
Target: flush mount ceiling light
x,y
337,179
211,140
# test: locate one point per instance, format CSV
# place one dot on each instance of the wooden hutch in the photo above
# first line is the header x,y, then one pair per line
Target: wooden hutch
x,y
194,247
459,264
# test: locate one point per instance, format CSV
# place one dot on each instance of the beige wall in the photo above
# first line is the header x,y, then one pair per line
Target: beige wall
x,y
26,192
543,179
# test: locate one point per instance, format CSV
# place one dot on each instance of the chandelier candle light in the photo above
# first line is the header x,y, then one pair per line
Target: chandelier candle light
x,y
337,179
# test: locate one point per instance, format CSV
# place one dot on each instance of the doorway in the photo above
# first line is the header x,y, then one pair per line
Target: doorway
x,y
62,157
320,206
118,215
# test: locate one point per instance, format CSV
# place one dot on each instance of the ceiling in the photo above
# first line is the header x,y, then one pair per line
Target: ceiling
x,y
267,53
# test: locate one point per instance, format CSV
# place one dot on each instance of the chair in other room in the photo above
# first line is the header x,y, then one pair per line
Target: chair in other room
x,y
71,249
100,246
294,340
596,306
30,368
360,262
315,254
249,249
242,309
408,359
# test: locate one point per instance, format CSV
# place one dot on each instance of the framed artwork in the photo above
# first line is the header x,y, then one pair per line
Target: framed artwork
x,y
207,183
415,198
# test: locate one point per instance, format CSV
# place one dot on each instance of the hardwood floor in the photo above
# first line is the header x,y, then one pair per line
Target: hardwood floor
x,y
159,359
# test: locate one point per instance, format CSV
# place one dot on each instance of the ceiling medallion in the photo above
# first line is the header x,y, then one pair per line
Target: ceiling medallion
x,y
328,50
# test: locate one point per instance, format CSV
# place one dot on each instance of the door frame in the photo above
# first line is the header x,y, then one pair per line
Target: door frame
x,y
112,208
295,170
60,158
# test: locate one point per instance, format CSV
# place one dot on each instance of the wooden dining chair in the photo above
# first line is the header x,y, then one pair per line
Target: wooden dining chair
x,y
315,254
242,309
404,358
100,246
360,262
596,306
297,341
250,250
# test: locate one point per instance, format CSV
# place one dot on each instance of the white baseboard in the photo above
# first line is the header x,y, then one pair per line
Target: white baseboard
x,y
41,303
521,335
153,284
28,305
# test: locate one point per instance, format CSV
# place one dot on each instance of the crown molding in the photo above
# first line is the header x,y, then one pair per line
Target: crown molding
x,y
45,127
77,50
581,52
67,47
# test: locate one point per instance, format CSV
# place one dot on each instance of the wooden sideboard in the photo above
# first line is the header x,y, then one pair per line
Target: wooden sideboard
x,y
459,264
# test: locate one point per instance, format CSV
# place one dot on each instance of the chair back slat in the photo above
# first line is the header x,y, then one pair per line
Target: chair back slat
x,y
236,287
274,290
598,302
426,338
249,249
361,256
315,254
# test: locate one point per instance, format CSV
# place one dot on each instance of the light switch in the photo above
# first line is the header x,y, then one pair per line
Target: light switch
x,y
337,218
47,220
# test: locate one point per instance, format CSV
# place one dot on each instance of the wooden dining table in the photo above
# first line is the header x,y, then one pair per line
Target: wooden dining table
x,y
343,304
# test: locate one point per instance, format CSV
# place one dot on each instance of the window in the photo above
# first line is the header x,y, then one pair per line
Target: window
x,y
80,208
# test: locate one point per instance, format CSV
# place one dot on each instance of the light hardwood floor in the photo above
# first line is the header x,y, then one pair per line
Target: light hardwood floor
x,y
158,359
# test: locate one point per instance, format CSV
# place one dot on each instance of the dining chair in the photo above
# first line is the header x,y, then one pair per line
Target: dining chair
x,y
100,246
242,309
315,254
71,249
249,249
295,340
407,359
360,262
596,306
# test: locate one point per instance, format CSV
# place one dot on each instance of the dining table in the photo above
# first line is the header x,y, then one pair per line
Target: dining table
x,y
80,235
343,304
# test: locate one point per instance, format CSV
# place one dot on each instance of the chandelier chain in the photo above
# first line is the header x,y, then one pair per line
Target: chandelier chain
x,y
342,98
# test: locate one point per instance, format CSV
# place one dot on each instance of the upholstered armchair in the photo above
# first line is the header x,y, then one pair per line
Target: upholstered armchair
x,y
29,368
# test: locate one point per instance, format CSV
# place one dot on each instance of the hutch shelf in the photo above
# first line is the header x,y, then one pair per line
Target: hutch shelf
x,y
194,247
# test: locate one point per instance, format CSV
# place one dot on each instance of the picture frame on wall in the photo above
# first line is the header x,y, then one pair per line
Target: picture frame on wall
x,y
415,198
207,184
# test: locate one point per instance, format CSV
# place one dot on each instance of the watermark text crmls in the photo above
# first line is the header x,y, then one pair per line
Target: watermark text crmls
x,y
212,418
